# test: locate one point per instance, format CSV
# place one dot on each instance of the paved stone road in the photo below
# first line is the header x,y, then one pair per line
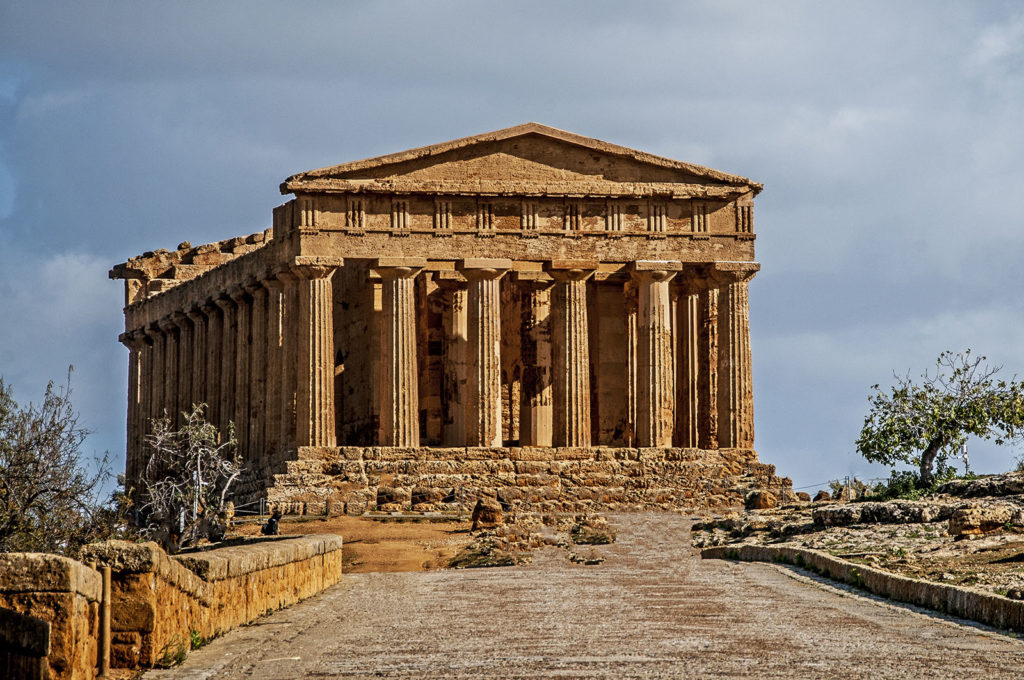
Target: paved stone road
x,y
652,610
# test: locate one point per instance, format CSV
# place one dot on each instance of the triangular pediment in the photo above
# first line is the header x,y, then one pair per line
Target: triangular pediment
x,y
531,155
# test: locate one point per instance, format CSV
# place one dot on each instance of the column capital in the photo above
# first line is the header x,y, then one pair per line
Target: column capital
x,y
225,303
134,339
571,270
481,268
534,280
209,307
237,293
195,313
398,267
252,286
153,331
734,272
167,325
308,272
179,319
655,270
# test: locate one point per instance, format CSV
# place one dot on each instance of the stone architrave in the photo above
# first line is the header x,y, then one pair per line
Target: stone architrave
x,y
314,386
454,380
399,407
483,420
535,419
655,379
570,350
735,390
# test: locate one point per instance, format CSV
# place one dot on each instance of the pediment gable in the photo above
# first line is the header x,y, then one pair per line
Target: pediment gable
x,y
530,156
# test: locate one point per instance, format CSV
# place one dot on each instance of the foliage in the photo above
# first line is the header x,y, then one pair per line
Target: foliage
x,y
928,422
187,480
48,501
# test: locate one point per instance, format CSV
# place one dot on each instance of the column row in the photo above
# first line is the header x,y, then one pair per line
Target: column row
x,y
259,356
673,359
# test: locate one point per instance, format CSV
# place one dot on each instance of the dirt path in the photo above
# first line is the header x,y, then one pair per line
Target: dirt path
x,y
652,610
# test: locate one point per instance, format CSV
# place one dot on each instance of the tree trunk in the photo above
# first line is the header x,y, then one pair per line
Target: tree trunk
x,y
928,460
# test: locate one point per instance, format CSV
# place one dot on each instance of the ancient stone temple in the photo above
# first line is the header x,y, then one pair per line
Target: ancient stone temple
x,y
526,313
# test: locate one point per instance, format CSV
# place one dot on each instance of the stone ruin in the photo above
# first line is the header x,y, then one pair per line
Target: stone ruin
x,y
526,314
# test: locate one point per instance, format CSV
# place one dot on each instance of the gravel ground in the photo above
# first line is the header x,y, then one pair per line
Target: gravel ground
x,y
654,609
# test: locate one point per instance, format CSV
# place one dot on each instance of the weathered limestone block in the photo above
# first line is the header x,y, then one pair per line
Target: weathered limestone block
x,y
981,519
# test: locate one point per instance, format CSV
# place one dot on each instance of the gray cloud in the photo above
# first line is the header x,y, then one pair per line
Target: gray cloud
x,y
887,136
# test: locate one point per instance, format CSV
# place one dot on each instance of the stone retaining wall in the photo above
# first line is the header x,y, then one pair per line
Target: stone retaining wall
x,y
968,603
62,592
24,646
161,602
356,479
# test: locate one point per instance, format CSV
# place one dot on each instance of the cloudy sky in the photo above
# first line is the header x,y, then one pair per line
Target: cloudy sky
x,y
888,137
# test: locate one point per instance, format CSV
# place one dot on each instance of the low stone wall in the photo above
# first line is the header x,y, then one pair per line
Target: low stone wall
x,y
24,646
968,603
159,602
557,479
62,592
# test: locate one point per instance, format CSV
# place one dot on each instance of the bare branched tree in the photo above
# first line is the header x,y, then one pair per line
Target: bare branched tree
x,y
48,500
187,481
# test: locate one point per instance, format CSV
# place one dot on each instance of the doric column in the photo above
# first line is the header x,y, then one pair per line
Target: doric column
x,y
571,352
144,412
135,342
454,371
655,382
535,413
688,374
289,348
632,351
169,399
272,414
243,348
212,375
184,399
707,376
735,392
198,360
228,342
258,367
483,419
399,405
314,386
155,384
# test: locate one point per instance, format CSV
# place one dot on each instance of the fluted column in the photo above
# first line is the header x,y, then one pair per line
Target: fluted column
x,y
258,367
688,373
289,348
272,416
135,342
655,382
228,328
399,406
156,374
454,371
707,380
483,418
144,412
212,375
243,348
169,398
198,361
535,414
632,351
571,352
735,394
314,386
184,383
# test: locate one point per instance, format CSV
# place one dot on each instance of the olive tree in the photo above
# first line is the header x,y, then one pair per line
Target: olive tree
x,y
187,481
48,497
924,422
